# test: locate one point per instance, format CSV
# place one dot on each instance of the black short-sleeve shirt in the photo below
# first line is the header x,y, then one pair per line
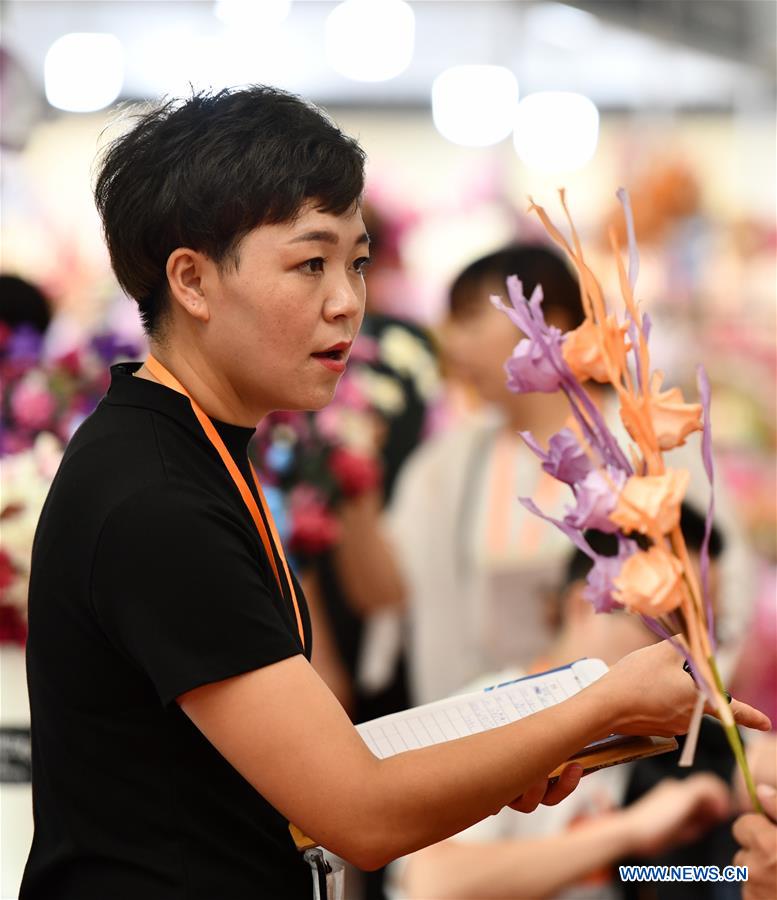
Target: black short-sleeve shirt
x,y
149,579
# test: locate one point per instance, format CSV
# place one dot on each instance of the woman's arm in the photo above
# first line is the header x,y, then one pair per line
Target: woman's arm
x,y
672,813
326,658
284,731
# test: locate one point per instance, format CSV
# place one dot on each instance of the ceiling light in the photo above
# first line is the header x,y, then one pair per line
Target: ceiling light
x,y
370,40
556,131
84,71
475,105
252,13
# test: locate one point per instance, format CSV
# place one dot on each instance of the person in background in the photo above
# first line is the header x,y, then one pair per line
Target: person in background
x,y
477,566
22,303
572,849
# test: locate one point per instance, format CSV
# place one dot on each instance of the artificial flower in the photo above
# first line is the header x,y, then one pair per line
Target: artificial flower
x,y
650,582
599,589
650,504
32,404
673,419
582,350
536,363
312,527
530,369
596,496
566,460
356,473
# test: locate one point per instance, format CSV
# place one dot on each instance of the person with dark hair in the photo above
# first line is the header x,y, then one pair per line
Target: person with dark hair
x,y
177,725
478,567
22,303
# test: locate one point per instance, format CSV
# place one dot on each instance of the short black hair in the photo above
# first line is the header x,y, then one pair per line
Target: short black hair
x,y
534,264
692,525
22,303
204,171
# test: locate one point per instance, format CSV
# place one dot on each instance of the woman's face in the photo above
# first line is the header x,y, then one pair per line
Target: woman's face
x,y
282,322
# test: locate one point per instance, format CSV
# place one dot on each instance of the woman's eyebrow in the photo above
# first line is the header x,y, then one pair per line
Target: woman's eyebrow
x,y
326,237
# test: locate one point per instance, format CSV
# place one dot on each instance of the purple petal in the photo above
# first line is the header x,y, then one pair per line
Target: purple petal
x,y
566,460
706,452
599,583
533,445
623,195
634,338
573,534
529,370
596,499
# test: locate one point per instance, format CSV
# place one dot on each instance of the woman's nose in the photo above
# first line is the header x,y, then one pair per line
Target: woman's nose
x,y
346,298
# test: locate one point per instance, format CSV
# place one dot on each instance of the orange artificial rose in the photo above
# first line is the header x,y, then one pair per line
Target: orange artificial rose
x,y
651,503
650,582
673,419
582,353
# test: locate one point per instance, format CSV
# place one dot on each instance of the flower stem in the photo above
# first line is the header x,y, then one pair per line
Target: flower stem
x,y
736,742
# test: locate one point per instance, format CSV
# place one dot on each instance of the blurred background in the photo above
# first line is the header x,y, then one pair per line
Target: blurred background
x,y
465,109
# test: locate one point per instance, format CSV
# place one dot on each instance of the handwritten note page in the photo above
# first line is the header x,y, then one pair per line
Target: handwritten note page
x,y
468,714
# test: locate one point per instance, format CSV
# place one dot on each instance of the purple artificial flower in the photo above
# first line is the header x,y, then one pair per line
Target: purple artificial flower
x,y
596,497
536,363
566,460
599,582
529,370
110,347
25,345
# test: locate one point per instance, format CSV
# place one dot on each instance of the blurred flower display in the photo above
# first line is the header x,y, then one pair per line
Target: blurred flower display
x,y
43,402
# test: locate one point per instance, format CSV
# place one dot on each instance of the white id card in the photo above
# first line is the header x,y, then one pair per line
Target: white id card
x,y
328,875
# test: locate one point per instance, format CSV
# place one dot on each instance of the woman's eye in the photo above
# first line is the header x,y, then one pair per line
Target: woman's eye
x,y
313,266
361,263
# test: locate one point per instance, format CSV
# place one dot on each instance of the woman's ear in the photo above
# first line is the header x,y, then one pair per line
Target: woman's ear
x,y
185,277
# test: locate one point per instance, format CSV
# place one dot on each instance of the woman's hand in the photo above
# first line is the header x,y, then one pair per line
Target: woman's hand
x,y
650,694
547,794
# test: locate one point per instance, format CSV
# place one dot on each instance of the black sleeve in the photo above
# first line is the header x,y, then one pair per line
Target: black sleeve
x,y
179,586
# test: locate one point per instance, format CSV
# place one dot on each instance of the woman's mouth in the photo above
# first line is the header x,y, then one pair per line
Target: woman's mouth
x,y
334,358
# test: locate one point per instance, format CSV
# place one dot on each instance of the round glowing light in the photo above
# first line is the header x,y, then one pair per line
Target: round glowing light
x,y
84,71
370,40
252,13
556,131
475,105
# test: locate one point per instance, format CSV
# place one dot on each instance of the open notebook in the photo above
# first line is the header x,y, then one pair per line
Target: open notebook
x,y
466,714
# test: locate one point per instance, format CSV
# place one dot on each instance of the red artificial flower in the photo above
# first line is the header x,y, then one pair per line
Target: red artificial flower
x,y
356,473
13,628
313,528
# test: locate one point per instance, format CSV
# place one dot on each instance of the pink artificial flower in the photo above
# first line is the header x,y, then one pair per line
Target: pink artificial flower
x,y
673,419
313,529
650,582
583,353
650,504
32,404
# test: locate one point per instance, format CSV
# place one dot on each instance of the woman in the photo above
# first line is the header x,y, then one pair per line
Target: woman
x,y
177,724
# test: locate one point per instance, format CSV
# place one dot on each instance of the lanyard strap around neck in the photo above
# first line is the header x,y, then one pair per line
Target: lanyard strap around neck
x,y
270,541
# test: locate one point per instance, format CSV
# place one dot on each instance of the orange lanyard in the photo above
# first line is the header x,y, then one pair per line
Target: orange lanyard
x,y
168,380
